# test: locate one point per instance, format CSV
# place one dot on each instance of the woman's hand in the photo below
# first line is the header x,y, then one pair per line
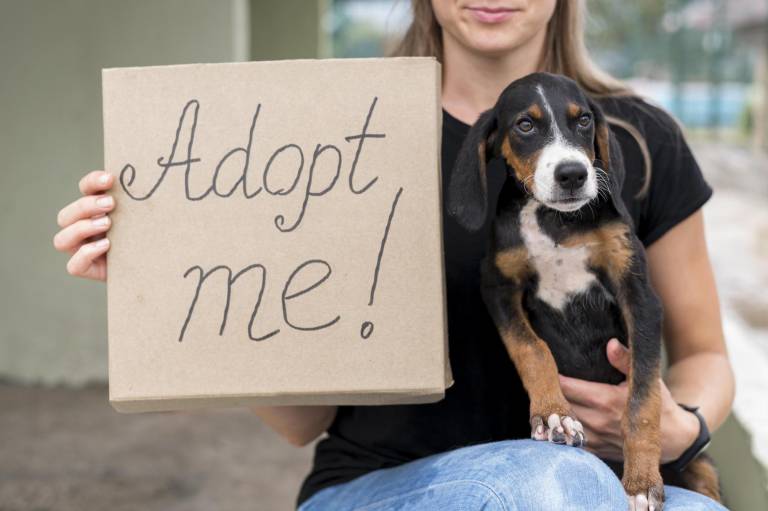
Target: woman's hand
x,y
84,224
600,407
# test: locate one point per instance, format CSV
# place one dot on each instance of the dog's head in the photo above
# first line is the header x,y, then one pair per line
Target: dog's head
x,y
553,138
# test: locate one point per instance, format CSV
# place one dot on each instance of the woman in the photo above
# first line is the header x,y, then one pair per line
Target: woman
x,y
460,453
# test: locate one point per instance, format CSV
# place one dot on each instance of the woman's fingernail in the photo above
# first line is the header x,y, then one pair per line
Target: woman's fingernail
x,y
103,242
101,221
104,202
103,178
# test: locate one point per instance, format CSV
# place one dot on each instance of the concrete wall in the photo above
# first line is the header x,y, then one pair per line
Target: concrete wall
x,y
52,326
288,29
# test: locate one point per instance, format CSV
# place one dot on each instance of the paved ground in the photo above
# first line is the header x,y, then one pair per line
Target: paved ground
x,y
737,236
67,450
737,229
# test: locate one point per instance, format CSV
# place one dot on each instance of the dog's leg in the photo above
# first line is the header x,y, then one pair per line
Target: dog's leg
x,y
640,424
551,416
623,259
701,475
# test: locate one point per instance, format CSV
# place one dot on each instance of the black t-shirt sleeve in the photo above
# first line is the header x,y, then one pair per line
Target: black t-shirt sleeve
x,y
677,186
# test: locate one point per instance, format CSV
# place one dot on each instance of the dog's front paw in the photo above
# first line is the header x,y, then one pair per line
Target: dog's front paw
x,y
645,497
558,429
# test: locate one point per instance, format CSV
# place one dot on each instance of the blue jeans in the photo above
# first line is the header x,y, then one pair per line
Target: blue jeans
x,y
513,475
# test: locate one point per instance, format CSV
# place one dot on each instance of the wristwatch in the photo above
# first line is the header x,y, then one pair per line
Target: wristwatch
x,y
699,445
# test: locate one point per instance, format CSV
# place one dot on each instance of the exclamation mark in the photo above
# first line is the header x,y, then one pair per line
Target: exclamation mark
x,y
366,329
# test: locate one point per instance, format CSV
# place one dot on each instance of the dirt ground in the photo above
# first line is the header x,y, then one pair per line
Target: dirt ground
x,y
68,450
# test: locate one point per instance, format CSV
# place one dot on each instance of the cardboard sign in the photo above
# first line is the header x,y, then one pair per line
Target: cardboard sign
x,y
277,237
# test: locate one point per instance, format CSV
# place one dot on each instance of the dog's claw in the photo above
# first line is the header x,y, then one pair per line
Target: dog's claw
x,y
538,432
641,502
651,500
558,429
537,429
574,432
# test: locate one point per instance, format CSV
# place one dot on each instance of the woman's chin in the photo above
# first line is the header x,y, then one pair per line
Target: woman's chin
x,y
491,41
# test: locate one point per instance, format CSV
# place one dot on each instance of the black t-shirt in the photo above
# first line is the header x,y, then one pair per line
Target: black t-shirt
x,y
487,401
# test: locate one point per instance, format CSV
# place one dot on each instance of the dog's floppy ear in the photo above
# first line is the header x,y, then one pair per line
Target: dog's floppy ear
x,y
602,136
608,155
468,189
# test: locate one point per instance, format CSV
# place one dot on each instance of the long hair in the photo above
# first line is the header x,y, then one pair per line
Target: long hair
x,y
565,53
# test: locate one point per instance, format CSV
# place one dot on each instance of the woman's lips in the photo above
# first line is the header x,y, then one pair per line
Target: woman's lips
x,y
491,14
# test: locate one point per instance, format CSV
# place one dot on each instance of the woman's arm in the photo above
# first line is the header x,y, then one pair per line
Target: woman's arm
x,y
699,371
297,424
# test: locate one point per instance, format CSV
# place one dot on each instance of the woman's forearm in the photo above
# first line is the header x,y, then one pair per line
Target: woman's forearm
x,y
297,424
705,380
699,372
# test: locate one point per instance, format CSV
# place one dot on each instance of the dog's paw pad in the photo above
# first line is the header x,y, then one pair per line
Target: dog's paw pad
x,y
558,429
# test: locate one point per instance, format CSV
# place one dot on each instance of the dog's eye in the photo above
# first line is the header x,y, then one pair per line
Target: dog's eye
x,y
524,125
584,120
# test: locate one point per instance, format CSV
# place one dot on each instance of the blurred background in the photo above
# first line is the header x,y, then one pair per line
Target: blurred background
x,y
61,445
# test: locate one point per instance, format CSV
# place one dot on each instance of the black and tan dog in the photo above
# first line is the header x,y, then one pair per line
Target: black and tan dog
x,y
565,272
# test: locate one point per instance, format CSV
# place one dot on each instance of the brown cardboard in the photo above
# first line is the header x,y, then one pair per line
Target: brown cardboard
x,y
329,335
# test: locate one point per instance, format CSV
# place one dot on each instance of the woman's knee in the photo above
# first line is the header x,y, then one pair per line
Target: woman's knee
x,y
537,475
679,499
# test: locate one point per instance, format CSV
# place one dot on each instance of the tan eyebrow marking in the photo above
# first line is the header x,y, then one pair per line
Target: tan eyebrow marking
x,y
573,109
535,111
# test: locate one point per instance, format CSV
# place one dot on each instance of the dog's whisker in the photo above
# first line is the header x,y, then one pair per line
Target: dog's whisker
x,y
525,183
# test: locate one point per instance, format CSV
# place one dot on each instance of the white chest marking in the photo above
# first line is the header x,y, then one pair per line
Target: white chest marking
x,y
563,271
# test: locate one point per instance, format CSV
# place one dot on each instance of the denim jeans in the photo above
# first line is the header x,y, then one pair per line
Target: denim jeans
x,y
513,475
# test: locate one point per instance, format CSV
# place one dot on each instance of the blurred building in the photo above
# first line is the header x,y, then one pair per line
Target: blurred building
x,y
748,20
733,30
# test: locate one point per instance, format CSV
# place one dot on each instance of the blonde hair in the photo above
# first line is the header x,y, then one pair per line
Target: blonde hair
x,y
565,53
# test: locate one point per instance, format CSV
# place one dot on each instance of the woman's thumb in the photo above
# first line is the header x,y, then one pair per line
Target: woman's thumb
x,y
618,355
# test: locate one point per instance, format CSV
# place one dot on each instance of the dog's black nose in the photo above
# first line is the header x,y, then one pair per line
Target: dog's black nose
x,y
571,175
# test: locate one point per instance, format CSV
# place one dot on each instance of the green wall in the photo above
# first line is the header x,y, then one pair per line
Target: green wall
x,y
288,29
53,326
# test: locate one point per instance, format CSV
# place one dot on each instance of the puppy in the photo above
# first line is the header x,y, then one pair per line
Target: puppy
x,y
564,271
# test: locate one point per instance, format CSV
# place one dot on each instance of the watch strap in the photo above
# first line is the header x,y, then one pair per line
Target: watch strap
x,y
697,447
